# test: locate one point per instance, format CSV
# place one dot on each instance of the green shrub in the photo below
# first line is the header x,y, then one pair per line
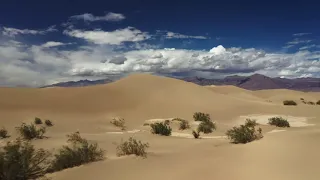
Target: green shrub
x,y
31,131
279,122
119,122
289,103
245,133
48,122
132,146
184,124
21,161
206,127
318,102
80,152
161,128
37,120
3,133
199,116
195,134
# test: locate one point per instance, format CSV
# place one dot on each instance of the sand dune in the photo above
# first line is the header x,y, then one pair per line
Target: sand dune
x,y
140,98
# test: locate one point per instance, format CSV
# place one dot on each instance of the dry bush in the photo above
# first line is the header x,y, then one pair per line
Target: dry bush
x,y
206,127
318,102
119,122
132,146
196,134
3,133
161,128
48,122
289,103
184,124
245,133
79,152
37,120
31,131
199,116
279,122
311,103
21,161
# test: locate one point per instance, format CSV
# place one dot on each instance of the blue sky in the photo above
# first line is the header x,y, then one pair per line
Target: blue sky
x,y
47,42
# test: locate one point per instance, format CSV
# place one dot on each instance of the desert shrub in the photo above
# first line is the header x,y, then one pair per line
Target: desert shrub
x,y
318,102
279,122
119,122
3,133
195,134
48,122
30,131
245,133
146,124
161,128
289,103
21,161
37,120
199,116
302,99
311,103
184,124
167,121
206,127
79,152
132,146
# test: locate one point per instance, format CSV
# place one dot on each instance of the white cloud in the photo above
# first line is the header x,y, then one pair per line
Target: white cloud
x,y
301,34
116,37
298,41
53,44
108,17
11,32
309,47
173,35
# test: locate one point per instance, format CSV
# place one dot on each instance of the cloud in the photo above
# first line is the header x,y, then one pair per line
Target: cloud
x,y
11,32
309,47
53,44
116,37
298,41
173,35
107,17
301,34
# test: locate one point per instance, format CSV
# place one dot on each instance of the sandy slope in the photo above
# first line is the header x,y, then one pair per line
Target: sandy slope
x,y
290,154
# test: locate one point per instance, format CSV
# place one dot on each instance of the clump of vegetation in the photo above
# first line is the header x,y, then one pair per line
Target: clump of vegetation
x,y
37,120
196,134
184,124
199,116
31,131
119,122
146,124
161,128
21,161
48,122
279,122
206,127
318,102
132,146
289,103
3,133
80,152
311,103
302,99
245,133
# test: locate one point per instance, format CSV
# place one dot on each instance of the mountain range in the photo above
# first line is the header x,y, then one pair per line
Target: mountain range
x,y
253,82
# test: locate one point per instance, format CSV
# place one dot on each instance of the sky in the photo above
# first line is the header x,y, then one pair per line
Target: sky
x,y
45,42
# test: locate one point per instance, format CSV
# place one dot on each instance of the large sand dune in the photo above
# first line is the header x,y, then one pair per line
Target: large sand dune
x,y
291,154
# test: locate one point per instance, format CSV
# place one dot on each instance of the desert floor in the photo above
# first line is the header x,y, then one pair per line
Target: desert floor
x,y
293,154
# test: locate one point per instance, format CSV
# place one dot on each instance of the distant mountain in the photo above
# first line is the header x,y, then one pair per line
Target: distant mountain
x,y
80,83
253,82
259,82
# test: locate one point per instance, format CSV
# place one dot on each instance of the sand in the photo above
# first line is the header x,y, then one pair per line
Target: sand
x,y
283,153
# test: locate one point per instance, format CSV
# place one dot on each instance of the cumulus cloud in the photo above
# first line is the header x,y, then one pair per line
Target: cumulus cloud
x,y
11,32
116,37
107,17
